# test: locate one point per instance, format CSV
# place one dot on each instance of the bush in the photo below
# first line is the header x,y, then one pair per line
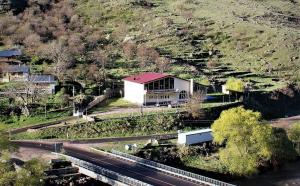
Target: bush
x,y
110,128
294,136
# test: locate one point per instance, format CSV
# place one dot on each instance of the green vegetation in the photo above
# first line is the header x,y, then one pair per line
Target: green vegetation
x,y
236,85
168,152
31,174
210,163
115,103
294,135
133,126
249,142
14,121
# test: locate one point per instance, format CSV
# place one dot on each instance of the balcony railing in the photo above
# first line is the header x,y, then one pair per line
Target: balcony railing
x,y
160,90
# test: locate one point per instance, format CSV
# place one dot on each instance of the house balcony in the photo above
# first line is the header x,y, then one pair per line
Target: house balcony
x,y
18,79
160,91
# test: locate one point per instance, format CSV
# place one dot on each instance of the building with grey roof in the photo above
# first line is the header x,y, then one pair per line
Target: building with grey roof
x,y
11,73
10,53
45,83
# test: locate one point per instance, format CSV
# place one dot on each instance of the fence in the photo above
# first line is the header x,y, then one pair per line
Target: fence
x,y
177,172
105,172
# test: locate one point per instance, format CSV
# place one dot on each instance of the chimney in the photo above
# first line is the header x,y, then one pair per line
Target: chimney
x,y
191,86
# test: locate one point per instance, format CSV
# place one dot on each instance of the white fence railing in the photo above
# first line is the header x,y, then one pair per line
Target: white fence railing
x,y
105,172
177,172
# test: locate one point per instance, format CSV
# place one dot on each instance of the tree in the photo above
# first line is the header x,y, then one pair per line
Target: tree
x,y
236,85
60,55
162,64
294,135
24,95
32,173
282,148
146,56
101,58
129,50
249,142
194,103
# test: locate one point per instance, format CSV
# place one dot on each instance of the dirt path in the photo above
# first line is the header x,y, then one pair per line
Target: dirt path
x,y
27,153
285,122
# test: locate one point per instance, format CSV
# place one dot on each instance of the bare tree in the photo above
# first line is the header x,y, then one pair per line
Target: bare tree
x,y
129,50
147,56
60,55
162,64
101,58
25,95
194,104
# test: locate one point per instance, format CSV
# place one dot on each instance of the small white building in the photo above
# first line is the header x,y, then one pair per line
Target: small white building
x,y
224,90
158,88
195,137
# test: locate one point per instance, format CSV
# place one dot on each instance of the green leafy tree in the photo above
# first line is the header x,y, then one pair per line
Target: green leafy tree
x,y
281,147
32,173
294,135
236,85
248,141
7,171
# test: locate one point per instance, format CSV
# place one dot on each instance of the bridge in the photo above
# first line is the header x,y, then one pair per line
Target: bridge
x,y
121,169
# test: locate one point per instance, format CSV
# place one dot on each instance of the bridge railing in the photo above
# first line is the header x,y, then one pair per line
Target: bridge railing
x,y
177,172
105,172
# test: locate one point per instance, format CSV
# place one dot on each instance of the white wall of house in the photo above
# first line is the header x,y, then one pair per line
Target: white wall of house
x,y
224,90
134,92
181,84
52,88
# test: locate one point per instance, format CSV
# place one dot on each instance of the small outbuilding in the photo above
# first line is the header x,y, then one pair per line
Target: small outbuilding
x,y
195,137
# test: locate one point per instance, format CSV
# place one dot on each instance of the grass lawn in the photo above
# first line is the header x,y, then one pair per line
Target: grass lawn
x,y
113,104
18,122
120,146
210,163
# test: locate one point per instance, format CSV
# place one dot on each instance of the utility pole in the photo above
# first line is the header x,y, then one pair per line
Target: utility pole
x,y
74,110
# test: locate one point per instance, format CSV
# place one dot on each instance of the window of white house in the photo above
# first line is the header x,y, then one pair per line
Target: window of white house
x,y
183,95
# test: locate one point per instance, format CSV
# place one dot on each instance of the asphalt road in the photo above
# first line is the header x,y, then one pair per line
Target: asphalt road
x,y
129,169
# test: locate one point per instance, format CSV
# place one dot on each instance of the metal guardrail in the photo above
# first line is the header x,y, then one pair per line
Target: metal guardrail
x,y
185,174
105,172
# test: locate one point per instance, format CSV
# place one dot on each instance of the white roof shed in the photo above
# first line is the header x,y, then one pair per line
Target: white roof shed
x,y
195,137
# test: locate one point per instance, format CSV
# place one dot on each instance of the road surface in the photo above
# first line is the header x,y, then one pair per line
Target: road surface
x,y
129,169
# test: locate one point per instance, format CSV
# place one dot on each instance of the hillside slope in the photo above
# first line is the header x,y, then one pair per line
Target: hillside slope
x,y
254,38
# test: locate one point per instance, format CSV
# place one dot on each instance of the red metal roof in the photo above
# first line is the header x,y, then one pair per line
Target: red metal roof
x,y
145,77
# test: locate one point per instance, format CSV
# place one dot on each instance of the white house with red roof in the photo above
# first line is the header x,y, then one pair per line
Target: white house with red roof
x,y
158,88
